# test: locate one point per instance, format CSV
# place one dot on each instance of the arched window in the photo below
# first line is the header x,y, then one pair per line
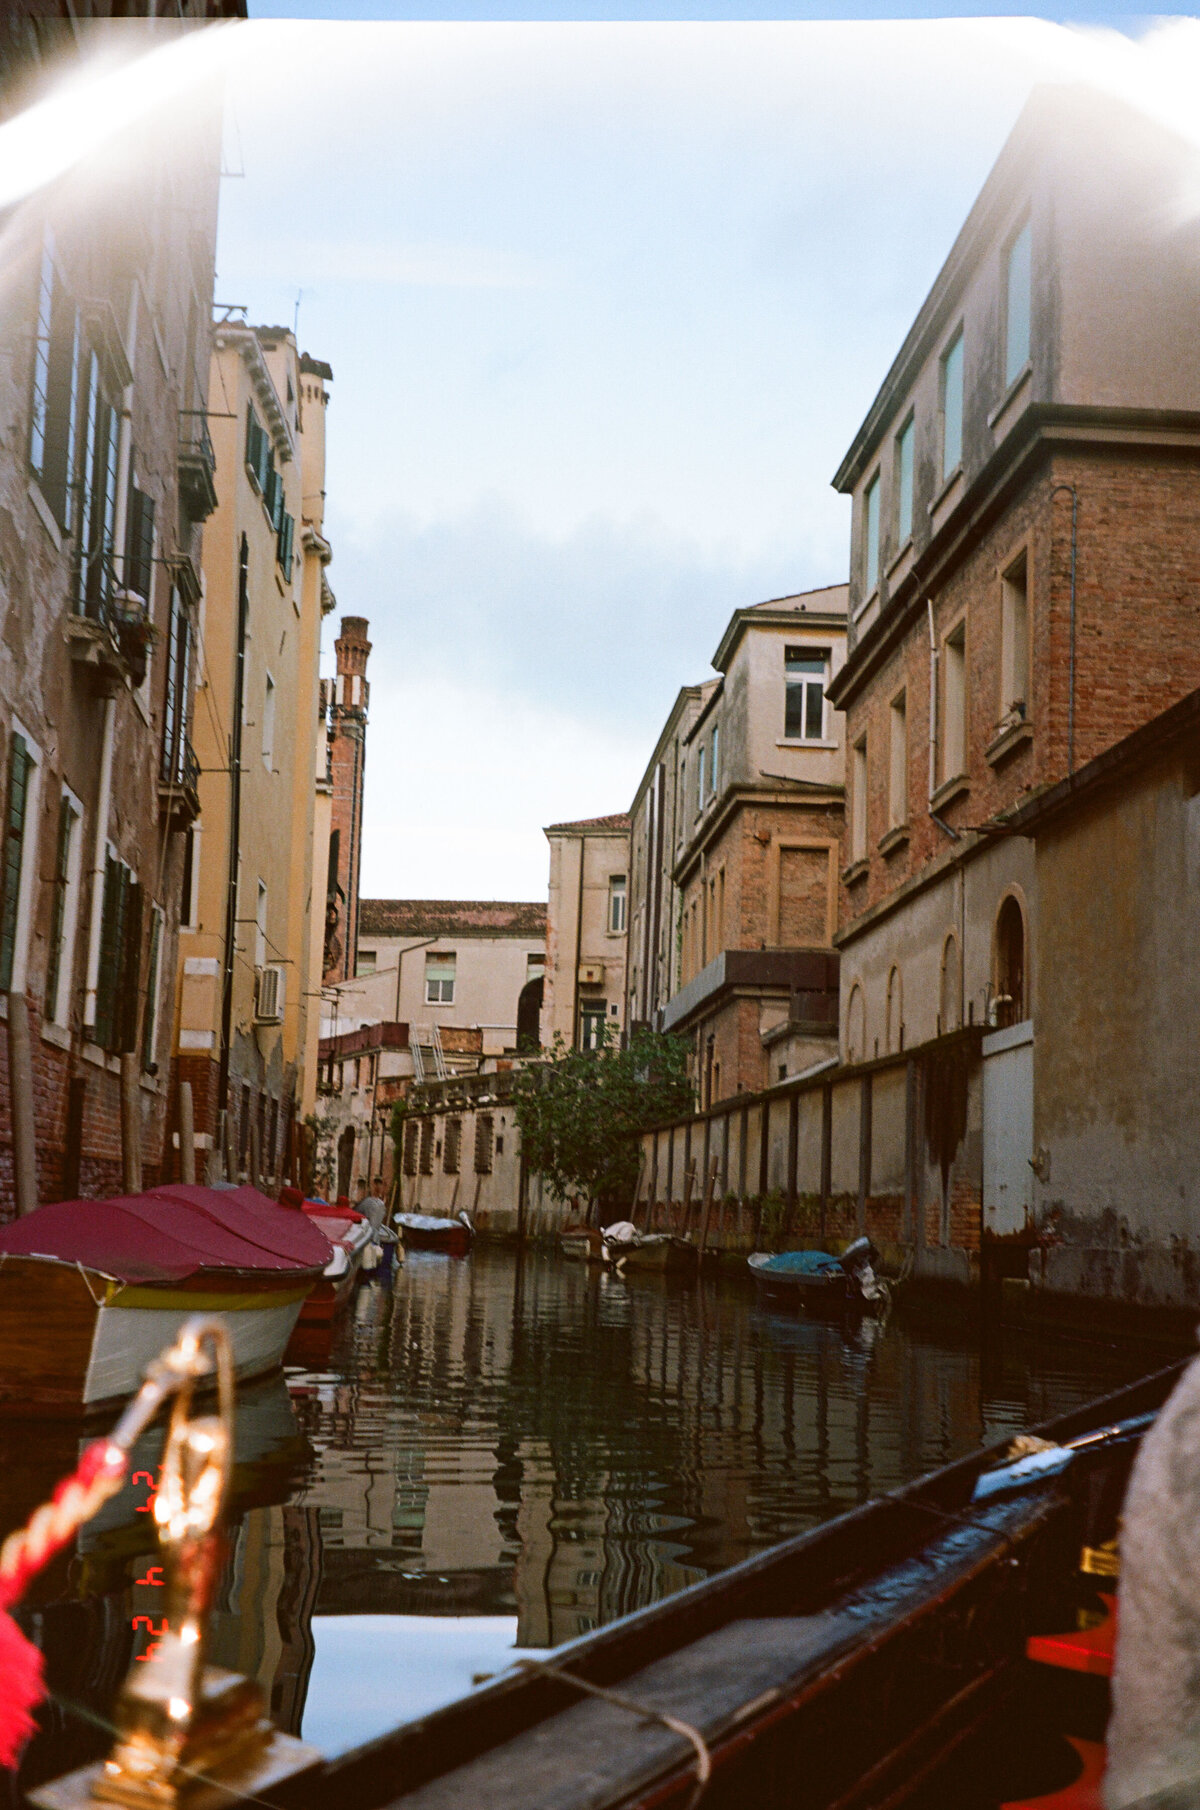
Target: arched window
x,y
894,1020
950,988
1010,1000
856,1025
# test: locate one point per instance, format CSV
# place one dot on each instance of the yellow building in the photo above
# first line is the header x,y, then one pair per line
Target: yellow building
x,y
247,1016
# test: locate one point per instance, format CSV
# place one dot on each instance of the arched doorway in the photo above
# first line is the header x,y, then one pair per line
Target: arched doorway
x,y
345,1160
1011,1003
894,1022
856,1025
949,990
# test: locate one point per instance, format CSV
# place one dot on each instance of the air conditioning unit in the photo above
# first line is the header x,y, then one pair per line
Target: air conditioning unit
x,y
591,974
269,993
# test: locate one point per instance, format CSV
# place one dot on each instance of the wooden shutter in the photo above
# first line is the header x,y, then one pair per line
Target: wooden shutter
x,y
108,979
129,1017
139,543
150,1010
58,907
10,859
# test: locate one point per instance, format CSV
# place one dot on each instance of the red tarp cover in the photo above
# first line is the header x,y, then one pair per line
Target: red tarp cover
x,y
161,1238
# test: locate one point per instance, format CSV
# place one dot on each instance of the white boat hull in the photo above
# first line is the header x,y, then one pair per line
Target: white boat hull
x,y
126,1339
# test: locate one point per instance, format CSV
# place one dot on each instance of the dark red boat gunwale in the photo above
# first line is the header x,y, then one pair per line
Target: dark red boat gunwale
x,y
798,1577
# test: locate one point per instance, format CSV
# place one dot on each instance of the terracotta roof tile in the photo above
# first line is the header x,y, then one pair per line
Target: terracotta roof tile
x,y
451,917
617,822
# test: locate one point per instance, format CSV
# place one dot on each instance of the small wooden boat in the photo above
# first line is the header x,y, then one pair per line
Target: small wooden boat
x,y
92,1290
655,1251
583,1244
855,1666
351,1234
436,1232
820,1281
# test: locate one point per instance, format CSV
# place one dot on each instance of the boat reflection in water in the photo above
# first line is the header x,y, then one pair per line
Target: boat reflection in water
x,y
506,1453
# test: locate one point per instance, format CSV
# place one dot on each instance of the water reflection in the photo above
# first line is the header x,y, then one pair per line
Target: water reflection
x,y
501,1453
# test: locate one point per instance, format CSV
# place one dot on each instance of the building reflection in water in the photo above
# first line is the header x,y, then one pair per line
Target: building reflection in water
x,y
532,1444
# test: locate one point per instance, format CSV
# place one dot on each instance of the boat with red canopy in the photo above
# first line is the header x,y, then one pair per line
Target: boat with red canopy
x,y
92,1290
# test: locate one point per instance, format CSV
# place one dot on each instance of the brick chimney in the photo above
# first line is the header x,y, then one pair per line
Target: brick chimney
x,y
350,696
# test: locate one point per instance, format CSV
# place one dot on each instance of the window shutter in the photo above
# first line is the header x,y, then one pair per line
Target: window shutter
x,y
139,545
58,910
130,967
110,952
10,862
150,1012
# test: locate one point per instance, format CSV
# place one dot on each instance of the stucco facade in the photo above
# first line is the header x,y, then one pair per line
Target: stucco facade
x,y
245,985
586,931
736,848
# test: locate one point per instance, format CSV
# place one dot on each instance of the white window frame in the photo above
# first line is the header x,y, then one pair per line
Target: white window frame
x,y
872,527
858,800
954,701
801,682
955,349
618,903
435,985
906,478
1016,358
898,761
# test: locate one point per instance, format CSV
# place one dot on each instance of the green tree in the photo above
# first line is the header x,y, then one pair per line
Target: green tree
x,y
579,1112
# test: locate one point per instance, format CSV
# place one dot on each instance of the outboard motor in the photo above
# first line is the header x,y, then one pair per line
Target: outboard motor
x,y
858,1261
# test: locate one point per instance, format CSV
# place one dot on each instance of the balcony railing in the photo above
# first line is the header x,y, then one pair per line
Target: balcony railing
x,y
197,465
179,782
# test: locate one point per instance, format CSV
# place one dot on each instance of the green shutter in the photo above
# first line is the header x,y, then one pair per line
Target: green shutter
x,y
10,859
58,905
150,1013
129,1018
139,543
108,980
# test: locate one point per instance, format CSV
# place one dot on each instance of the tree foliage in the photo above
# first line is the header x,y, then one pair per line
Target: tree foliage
x,y
579,1112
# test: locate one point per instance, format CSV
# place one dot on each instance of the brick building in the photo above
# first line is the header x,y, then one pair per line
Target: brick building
x,y
347,698
1025,591
736,849
106,475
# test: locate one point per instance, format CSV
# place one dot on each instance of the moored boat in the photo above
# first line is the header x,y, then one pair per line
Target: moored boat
x,y
436,1232
350,1234
820,1281
92,1290
583,1244
630,1249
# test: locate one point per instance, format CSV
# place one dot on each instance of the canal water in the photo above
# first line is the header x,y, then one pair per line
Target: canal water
x,y
497,1453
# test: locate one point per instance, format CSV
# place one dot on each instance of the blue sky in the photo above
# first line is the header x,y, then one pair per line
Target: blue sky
x,y
605,304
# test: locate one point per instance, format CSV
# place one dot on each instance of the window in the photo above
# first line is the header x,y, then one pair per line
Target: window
x,y
17,863
268,723
950,988
452,1147
426,1146
714,763
364,962
593,1015
871,536
898,762
952,406
439,979
905,448
139,544
119,973
616,903
483,1144
894,1020
64,909
189,891
858,800
1009,1003
535,965
285,538
260,926
259,460
806,671
1014,642
97,494
177,685
1017,296
153,982
701,752
55,387
411,1131
954,702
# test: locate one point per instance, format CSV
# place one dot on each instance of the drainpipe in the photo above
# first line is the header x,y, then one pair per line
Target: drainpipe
x,y
99,861
1071,491
933,711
